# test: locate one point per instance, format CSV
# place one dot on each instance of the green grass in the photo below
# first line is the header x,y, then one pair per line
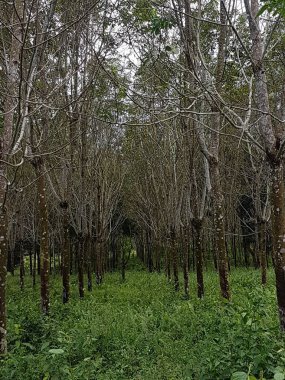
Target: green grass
x,y
142,329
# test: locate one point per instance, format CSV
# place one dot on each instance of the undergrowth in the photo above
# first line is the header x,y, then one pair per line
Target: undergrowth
x,y
142,329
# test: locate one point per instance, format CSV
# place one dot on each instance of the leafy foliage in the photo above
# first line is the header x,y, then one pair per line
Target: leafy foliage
x,y
276,7
160,23
141,329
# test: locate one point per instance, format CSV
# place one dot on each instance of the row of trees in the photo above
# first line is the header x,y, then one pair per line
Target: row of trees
x,y
158,120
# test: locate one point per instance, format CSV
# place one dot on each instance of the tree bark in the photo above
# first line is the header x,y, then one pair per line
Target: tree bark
x,y
5,146
3,273
31,261
34,263
98,254
22,266
44,240
262,251
272,136
278,211
81,266
167,264
89,263
185,247
199,257
149,252
65,262
220,230
174,260
123,263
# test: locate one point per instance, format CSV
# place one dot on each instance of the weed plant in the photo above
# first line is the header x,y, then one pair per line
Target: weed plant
x,y
141,329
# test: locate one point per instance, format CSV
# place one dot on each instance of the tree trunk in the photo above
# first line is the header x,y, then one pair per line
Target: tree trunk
x,y
34,264
5,146
31,262
11,266
273,136
199,258
44,241
123,264
65,262
167,264
175,261
98,262
262,252
81,266
158,259
22,266
220,230
185,247
3,270
89,263
149,253
39,259
234,248
278,213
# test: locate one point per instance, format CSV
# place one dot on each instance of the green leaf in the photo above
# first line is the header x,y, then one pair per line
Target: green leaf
x,y
249,322
46,376
279,376
28,345
44,346
277,7
262,9
17,328
56,351
239,376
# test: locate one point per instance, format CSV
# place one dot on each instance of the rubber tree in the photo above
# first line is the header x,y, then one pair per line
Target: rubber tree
x,y
204,77
274,142
6,145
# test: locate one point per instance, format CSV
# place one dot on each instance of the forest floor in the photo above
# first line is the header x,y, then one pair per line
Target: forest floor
x,y
142,329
